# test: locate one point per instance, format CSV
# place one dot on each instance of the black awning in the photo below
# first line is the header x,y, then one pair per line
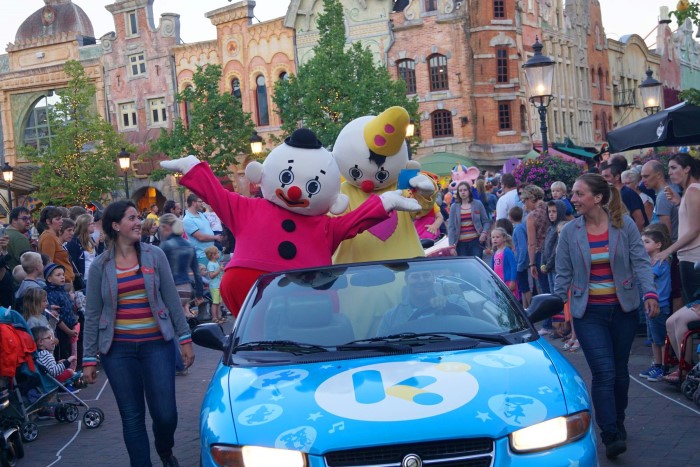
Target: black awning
x,y
675,126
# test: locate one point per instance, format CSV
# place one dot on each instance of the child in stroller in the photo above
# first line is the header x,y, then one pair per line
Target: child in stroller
x,y
33,390
45,345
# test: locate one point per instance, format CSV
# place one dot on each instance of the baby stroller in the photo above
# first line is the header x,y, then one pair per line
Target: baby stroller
x,y
33,389
11,448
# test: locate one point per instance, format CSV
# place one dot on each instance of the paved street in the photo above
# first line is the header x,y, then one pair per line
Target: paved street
x,y
662,424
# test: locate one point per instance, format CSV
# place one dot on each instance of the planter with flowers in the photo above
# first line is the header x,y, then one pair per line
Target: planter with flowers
x,y
545,170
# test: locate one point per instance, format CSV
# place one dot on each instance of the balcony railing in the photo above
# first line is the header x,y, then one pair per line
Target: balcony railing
x,y
625,98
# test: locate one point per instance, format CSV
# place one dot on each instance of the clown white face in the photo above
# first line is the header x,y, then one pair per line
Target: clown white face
x,y
359,148
301,180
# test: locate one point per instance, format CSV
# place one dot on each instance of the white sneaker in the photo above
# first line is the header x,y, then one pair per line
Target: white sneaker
x,y
544,332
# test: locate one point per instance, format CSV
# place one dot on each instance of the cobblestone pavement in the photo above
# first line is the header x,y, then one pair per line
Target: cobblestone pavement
x,y
663,425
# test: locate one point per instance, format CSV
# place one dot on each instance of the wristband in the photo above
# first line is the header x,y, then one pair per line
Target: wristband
x,y
533,265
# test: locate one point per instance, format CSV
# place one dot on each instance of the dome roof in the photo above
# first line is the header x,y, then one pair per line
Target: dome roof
x,y
55,18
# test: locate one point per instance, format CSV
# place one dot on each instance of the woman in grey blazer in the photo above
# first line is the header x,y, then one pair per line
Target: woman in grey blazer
x,y
132,316
600,258
468,224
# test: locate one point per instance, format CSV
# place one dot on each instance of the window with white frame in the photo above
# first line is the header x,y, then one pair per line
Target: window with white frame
x,y
132,24
137,64
157,111
127,116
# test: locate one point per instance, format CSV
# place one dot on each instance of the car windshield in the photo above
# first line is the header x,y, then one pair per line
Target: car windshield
x,y
390,306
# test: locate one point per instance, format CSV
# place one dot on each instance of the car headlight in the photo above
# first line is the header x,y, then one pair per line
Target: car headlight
x,y
255,456
551,433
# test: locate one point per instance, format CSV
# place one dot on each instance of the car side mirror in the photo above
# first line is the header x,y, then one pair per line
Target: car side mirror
x,y
209,335
544,306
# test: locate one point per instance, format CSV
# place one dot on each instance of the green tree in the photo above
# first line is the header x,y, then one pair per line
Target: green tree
x,y
80,163
218,130
337,85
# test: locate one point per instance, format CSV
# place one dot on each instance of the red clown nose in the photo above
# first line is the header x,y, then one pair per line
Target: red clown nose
x,y
294,193
367,186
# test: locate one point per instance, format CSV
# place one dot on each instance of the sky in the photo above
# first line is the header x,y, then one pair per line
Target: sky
x,y
620,17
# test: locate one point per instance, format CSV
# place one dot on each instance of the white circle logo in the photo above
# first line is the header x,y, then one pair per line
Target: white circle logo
x,y
388,392
300,438
517,409
498,360
279,379
259,414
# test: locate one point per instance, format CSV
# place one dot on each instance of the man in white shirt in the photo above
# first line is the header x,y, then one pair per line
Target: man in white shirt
x,y
198,229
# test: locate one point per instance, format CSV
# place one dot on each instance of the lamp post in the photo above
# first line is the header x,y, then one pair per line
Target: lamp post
x,y
256,144
410,131
8,175
124,159
539,73
651,90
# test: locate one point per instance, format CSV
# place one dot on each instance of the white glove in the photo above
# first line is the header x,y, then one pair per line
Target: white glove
x,y
393,200
423,184
182,165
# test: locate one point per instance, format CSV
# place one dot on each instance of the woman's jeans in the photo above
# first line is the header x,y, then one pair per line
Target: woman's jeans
x,y
470,248
606,334
135,370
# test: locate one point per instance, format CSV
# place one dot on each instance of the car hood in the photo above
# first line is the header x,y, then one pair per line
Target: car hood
x,y
319,407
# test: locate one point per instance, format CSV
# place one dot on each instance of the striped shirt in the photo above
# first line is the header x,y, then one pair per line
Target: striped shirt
x,y
135,322
601,287
467,231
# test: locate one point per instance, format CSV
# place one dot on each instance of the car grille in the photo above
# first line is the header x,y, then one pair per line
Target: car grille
x,y
448,453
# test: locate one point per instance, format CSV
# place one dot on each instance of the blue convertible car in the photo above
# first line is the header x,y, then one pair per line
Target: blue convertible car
x,y
427,362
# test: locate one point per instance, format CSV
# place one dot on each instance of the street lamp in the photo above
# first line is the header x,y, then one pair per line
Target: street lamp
x,y
256,143
124,159
651,89
539,73
8,175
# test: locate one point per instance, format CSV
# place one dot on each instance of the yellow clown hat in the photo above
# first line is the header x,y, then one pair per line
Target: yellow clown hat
x,y
386,132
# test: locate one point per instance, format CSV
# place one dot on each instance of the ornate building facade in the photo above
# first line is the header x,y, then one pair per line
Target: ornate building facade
x,y
139,80
30,73
252,57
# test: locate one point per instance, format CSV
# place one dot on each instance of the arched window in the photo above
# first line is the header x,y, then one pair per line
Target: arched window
x,y
407,71
605,126
37,131
188,109
261,101
442,123
437,65
597,123
284,76
592,76
523,119
601,85
236,87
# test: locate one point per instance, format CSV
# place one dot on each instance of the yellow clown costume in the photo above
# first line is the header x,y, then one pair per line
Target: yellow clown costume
x,y
370,152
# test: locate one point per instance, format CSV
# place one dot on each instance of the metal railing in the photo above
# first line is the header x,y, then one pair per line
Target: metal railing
x,y
625,98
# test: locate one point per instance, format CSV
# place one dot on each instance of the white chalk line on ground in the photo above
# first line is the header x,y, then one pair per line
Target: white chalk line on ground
x,y
58,454
664,395
77,432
